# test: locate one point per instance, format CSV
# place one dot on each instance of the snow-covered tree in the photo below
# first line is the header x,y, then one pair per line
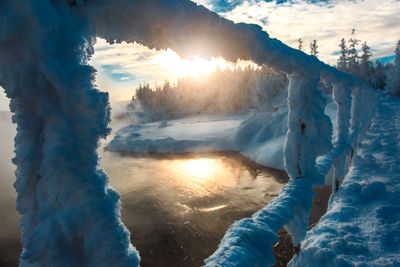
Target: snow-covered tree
x,y
365,56
314,48
352,53
366,68
342,62
220,92
393,84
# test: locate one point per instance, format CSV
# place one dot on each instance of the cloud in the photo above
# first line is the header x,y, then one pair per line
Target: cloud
x,y
327,21
220,5
122,67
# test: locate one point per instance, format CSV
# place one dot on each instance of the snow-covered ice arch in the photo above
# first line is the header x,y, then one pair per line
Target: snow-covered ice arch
x,y
69,214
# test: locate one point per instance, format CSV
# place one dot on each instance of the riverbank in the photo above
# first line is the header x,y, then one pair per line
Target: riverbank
x,y
260,137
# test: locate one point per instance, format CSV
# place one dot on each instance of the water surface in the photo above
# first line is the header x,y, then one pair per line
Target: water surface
x,y
178,207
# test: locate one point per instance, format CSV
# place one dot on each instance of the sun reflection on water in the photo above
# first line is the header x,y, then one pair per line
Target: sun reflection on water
x,y
200,177
201,169
196,182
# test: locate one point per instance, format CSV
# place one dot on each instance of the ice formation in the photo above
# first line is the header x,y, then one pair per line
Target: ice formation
x,y
69,214
361,227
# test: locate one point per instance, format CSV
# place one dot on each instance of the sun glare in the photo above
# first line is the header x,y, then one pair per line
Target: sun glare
x,y
194,66
200,168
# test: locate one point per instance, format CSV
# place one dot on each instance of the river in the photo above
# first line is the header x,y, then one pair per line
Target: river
x,y
176,207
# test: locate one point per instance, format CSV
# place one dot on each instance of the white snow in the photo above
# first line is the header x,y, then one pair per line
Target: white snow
x,y
259,137
70,215
362,225
193,134
249,242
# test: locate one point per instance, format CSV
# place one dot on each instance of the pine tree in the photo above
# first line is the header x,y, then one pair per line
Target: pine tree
x,y
352,54
300,44
342,62
393,85
366,68
314,48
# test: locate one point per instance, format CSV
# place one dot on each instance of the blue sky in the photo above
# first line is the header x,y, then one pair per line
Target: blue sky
x,y
221,6
122,67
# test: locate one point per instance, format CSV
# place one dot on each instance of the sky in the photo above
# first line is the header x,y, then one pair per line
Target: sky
x,y
121,68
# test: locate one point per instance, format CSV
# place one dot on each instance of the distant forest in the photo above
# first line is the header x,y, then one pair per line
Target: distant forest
x,y
238,90
221,92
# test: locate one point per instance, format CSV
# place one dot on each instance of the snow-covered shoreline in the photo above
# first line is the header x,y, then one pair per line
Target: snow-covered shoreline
x,y
258,137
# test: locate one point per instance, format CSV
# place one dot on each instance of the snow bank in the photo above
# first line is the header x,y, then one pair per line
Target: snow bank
x,y
362,225
259,137
195,134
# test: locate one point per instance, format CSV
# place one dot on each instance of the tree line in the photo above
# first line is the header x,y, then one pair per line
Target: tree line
x,y
221,92
240,90
355,58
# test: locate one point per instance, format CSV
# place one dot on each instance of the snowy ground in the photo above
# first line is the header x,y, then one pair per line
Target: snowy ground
x,y
178,136
362,225
259,137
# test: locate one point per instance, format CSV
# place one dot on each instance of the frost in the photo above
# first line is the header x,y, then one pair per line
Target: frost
x,y
362,223
69,214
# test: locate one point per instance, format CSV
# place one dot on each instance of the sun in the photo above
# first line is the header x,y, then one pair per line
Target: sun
x,y
195,66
